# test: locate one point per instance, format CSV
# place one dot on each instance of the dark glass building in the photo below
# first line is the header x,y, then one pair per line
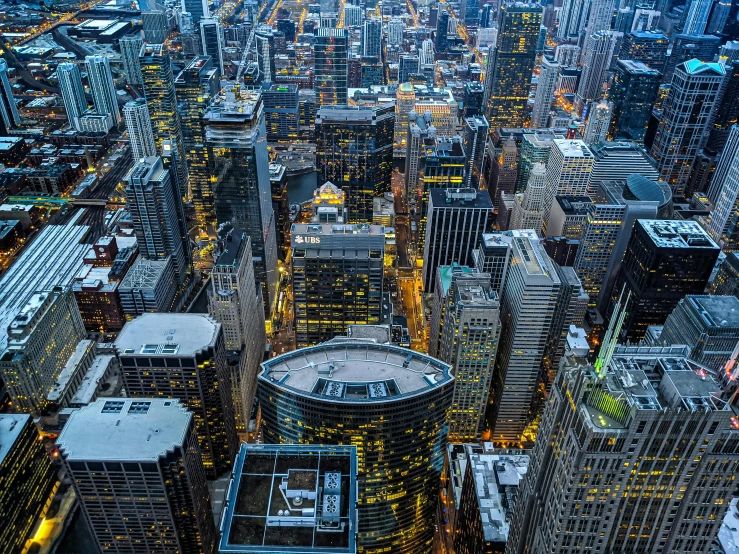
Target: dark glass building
x,y
331,54
392,404
633,94
648,47
281,112
354,150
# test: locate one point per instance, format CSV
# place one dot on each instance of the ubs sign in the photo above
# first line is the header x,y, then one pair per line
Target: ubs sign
x,y
299,239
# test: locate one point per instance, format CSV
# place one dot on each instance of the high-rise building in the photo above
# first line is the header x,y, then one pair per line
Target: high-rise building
x,y
616,161
264,39
419,130
157,215
572,20
442,30
647,47
630,410
469,343
331,66
138,125
236,140
155,24
727,277
354,150
354,15
719,16
212,41
696,20
372,38
535,148
8,108
407,66
687,113
395,29
130,46
27,480
41,338
600,16
686,47
544,92
599,120
234,302
159,91
663,262
723,224
597,56
392,404
196,86
457,218
511,63
197,9
633,93
138,473
568,172
475,138
503,173
529,301
337,279
527,210
183,357
282,112
494,254
73,92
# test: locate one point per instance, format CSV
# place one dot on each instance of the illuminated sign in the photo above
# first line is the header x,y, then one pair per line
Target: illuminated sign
x,y
307,240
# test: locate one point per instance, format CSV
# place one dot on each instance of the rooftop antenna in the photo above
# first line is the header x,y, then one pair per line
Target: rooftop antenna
x,y
611,338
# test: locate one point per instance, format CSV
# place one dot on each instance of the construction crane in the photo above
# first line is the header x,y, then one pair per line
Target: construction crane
x,y
245,56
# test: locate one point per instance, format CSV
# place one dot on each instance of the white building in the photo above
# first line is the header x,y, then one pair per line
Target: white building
x,y
527,210
568,171
73,92
102,87
140,133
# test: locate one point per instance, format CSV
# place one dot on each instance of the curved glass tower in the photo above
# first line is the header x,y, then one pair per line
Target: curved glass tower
x,y
392,404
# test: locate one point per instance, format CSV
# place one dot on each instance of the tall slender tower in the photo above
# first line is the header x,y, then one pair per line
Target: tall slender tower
x,y
212,41
723,224
73,92
633,93
597,52
372,38
544,93
527,210
130,46
568,172
475,138
599,120
8,109
198,9
102,87
331,66
156,69
138,124
696,20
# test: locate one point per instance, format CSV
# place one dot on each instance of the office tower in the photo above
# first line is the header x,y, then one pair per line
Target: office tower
x,y
511,63
155,24
354,150
73,92
645,19
600,16
535,148
149,286
599,120
372,38
474,93
212,41
607,230
572,20
469,342
493,256
664,261
130,46
282,112
395,29
331,59
597,59
617,161
348,393
138,474
475,138
323,476
503,173
329,204
8,108
633,93
27,480
727,277
568,172
696,19
630,410
457,218
443,276
234,302
727,112
159,92
544,92
157,215
353,16
42,337
407,66
138,125
288,28
719,16
264,39
236,141
647,47
442,31
687,47
183,357
687,113
527,211
196,86
337,279
529,299
197,9
723,225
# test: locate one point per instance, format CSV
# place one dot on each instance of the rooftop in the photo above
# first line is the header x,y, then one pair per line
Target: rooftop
x,y
356,372
124,429
290,498
676,233
163,334
11,426
460,198
445,272
573,148
231,249
717,311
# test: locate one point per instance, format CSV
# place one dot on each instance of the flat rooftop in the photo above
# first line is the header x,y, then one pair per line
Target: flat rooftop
x,y
167,334
676,233
356,372
124,429
11,426
573,148
291,498
717,311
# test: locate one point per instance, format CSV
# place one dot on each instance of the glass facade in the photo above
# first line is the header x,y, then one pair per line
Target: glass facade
x,y
633,94
331,66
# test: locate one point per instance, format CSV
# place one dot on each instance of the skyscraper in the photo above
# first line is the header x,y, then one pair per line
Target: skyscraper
x,y
183,357
354,150
633,93
599,120
236,139
544,92
395,29
527,210
155,24
617,161
337,279
469,343
197,9
647,47
212,41
130,46
331,66
372,38
8,109
138,124
264,39
138,473
511,63
572,20
597,59
234,302
442,30
664,261
73,92
696,19
157,215
536,146
686,47
723,224
687,113
475,138
600,16
390,402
